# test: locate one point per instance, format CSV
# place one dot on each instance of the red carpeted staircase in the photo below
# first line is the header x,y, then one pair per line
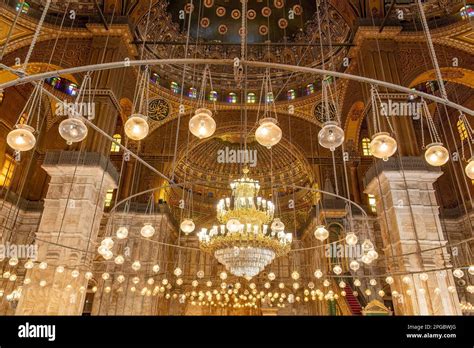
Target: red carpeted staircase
x,y
352,301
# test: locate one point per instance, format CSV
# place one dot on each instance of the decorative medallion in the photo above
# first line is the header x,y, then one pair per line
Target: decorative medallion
x,y
298,10
242,32
263,30
221,11
208,3
282,23
189,8
205,22
278,3
158,109
235,14
319,113
266,11
222,29
251,14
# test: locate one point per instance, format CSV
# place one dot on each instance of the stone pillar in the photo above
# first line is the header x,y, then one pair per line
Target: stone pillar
x,y
67,232
409,220
108,88
378,59
355,182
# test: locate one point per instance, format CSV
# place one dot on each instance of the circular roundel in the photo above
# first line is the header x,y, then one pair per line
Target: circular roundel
x,y
235,14
298,10
320,112
221,11
208,3
205,22
282,23
189,8
251,14
158,109
266,11
222,29
278,3
263,30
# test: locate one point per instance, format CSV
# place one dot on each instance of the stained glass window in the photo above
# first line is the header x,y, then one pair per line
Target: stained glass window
x,y
213,96
251,98
174,87
114,147
6,174
291,94
270,98
372,203
310,89
462,130
232,98
192,93
366,147
109,196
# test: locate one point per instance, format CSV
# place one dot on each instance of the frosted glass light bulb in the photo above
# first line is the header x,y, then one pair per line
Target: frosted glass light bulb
x,y
268,134
187,226
383,145
21,138
202,125
122,232
136,127
321,233
436,154
147,231
331,135
73,130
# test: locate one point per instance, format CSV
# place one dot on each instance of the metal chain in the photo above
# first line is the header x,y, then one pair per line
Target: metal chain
x,y
432,51
36,35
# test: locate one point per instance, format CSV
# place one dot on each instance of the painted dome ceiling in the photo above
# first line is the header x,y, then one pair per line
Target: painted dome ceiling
x,y
215,33
221,20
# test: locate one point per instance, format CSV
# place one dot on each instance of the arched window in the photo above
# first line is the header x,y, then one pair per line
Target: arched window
x,y
109,196
6,174
23,119
23,6
192,93
372,203
72,89
366,147
270,98
462,130
291,94
174,87
213,96
310,89
251,98
155,78
115,147
232,98
467,11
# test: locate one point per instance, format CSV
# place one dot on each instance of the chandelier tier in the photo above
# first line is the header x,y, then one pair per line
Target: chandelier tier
x,y
245,242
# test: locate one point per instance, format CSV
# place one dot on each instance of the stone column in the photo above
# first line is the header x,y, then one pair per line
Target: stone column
x,y
67,232
378,59
355,182
409,220
108,88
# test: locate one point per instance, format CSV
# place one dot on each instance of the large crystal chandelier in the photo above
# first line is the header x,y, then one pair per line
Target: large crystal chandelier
x,y
249,237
